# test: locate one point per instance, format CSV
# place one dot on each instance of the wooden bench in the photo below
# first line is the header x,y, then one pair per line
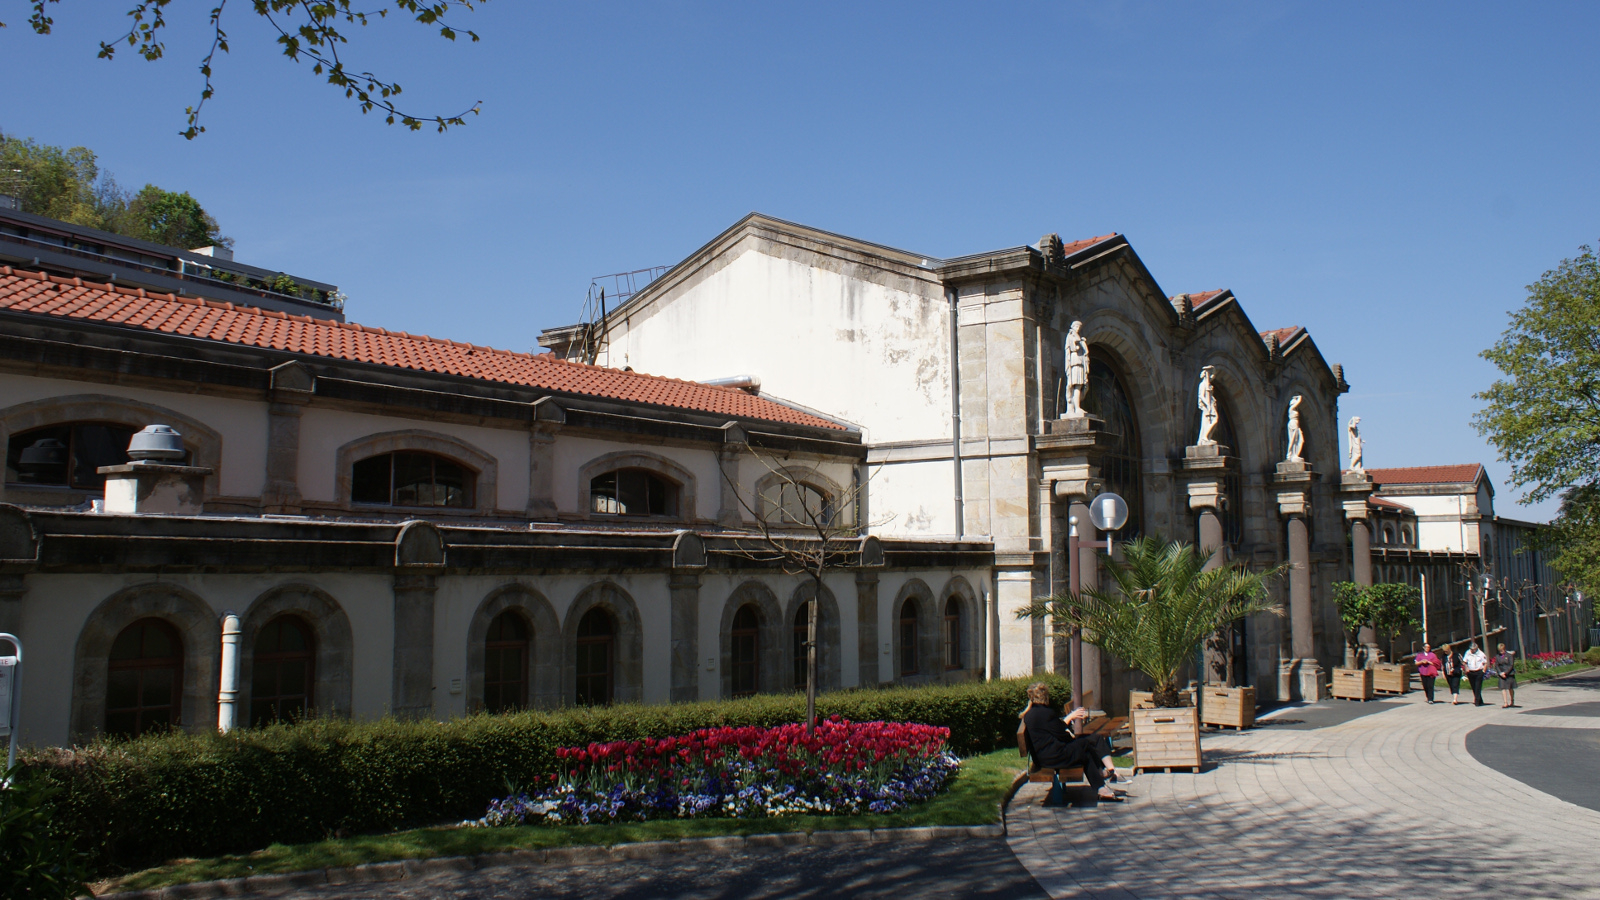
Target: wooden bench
x,y
1057,777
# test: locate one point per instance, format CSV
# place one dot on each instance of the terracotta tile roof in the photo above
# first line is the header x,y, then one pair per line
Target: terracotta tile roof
x,y
70,298
1075,246
1388,504
1198,299
1462,474
1283,334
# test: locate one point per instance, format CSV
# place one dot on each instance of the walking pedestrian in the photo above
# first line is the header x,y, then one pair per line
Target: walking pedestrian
x,y
1427,669
1452,672
1474,663
1505,665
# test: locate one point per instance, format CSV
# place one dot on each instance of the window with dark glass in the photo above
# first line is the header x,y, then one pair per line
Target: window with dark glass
x,y
746,648
633,492
505,663
802,631
1119,465
67,455
595,658
411,478
1232,485
281,672
144,680
796,504
908,638
952,633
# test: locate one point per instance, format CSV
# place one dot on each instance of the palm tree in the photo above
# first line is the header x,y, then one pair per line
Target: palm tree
x,y
1163,605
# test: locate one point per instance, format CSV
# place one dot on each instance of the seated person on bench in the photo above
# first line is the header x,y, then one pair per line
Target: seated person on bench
x,y
1056,747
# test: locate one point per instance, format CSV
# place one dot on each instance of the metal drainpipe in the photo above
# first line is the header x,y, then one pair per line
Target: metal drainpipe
x,y
955,408
229,689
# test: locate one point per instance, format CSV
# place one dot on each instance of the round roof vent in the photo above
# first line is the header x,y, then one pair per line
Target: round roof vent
x,y
156,442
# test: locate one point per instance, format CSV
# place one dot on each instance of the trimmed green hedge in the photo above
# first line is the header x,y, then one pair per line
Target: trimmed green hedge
x,y
136,803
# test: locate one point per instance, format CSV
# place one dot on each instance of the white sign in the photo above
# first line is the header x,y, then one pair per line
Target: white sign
x,y
1108,512
8,678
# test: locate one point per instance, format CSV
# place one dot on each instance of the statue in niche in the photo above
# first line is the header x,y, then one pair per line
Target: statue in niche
x,y
1355,445
1208,407
1297,435
1077,372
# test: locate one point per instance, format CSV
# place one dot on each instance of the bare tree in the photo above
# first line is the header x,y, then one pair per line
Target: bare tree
x,y
805,529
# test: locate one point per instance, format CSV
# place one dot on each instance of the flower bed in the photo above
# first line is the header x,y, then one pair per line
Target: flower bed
x,y
844,768
1538,661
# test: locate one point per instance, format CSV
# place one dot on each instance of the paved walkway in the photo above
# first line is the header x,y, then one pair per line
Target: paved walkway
x,y
1407,799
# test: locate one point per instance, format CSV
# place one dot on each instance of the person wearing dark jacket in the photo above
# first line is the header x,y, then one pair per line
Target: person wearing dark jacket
x,y
1054,745
1505,666
1453,669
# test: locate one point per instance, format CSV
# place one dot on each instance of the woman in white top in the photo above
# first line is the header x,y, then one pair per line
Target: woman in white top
x,y
1475,662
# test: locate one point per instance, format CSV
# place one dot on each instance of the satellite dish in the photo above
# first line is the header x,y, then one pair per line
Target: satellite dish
x,y
1108,512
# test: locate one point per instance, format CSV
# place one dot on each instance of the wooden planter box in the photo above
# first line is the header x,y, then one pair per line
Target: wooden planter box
x,y
1165,738
1352,684
1228,707
1141,699
1392,678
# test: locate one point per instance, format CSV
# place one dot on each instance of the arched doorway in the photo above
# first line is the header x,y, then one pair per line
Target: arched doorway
x,y
282,671
745,646
596,658
144,683
505,663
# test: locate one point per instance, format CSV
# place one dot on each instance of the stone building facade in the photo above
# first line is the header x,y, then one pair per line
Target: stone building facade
x,y
954,372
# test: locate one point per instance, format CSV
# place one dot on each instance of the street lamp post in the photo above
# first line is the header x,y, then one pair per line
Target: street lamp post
x,y
1107,512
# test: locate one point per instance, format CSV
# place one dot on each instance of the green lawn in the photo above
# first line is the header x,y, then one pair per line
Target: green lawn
x,y
1540,675
973,799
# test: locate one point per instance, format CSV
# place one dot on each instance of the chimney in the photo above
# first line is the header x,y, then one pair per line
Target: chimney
x,y
215,252
156,481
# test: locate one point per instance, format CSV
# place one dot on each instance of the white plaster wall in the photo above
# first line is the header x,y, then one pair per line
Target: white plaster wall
x,y
912,499
56,607
813,335
242,423
324,431
573,453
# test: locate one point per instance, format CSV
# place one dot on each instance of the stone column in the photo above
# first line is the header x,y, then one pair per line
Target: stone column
x,y
1354,489
684,586
413,646
1205,466
1300,677
867,627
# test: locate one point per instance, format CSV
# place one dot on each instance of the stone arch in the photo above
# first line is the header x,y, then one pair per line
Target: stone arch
x,y
1117,337
639,459
828,647
485,469
330,628
929,647
771,634
628,663
1123,457
1239,394
544,664
203,442
958,589
837,495
197,624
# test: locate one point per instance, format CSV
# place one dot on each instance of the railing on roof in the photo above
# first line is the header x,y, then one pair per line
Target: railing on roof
x,y
607,292
334,299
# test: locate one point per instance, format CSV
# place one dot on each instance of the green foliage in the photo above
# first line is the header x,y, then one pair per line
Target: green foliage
x,y
1574,538
37,857
68,185
1355,611
283,284
310,30
138,802
1162,608
1394,608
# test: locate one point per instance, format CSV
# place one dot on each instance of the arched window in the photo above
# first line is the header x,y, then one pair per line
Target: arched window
x,y
1119,464
412,478
505,663
795,503
67,455
746,646
952,633
596,657
802,628
1406,536
144,683
908,638
281,676
632,492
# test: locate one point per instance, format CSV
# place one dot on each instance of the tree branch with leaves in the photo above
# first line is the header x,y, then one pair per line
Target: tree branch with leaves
x,y
314,30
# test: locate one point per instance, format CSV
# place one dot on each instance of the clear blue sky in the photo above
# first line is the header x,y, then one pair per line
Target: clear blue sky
x,y
1389,175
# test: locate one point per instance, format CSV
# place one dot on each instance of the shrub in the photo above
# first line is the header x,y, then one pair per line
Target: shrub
x,y
135,803
1592,656
37,857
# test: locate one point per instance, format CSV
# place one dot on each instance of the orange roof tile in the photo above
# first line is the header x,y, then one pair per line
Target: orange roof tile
x,y
1198,299
1282,334
1074,246
48,295
1388,504
1460,474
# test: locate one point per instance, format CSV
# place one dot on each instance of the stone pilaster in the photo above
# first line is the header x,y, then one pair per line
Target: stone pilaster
x,y
1300,677
684,586
413,645
293,387
1205,468
867,627
730,512
547,421
1354,489
1069,459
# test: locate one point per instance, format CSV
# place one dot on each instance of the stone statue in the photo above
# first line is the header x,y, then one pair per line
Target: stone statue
x,y
1355,445
1297,435
1208,406
1077,372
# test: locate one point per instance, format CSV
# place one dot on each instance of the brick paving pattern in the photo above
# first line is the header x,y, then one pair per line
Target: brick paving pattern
x,y
1390,803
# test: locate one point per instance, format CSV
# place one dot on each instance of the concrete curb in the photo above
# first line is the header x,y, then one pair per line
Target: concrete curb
x,y
556,856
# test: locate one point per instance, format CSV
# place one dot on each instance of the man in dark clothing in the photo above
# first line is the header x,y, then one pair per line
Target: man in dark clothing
x,y
1054,746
